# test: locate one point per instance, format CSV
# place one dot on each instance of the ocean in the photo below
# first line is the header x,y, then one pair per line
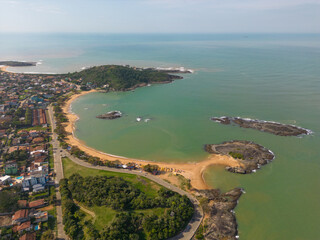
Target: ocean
x,y
263,76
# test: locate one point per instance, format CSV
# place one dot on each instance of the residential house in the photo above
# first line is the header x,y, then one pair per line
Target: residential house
x,y
5,180
41,217
37,204
29,236
26,226
38,140
20,216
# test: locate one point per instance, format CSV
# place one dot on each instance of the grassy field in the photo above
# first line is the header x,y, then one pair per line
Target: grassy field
x,y
38,128
145,185
102,216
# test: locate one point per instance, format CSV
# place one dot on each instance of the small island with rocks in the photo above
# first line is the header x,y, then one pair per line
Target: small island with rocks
x,y
249,154
110,115
264,126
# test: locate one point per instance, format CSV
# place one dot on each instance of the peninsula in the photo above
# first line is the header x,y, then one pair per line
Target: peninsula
x,y
120,78
17,64
264,126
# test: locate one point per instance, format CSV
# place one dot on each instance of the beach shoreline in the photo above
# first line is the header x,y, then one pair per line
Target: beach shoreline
x,y
4,68
193,171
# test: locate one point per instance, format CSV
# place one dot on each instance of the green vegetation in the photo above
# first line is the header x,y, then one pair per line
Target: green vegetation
x,y
125,206
51,158
185,183
17,64
201,230
119,77
151,168
28,116
143,184
18,155
236,155
38,128
9,200
47,235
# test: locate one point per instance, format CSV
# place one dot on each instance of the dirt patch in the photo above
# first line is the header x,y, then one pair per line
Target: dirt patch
x,y
5,221
47,208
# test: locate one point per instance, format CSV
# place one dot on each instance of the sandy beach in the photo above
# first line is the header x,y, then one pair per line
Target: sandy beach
x,y
4,68
192,171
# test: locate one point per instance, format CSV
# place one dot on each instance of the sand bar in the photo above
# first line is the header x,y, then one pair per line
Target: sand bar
x,y
192,171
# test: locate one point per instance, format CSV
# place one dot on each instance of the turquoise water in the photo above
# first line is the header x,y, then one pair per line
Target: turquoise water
x,y
270,77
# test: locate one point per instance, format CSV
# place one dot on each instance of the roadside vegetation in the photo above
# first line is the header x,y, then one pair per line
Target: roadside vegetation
x,y
131,211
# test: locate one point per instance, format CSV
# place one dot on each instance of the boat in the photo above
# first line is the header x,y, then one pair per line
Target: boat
x,y
138,119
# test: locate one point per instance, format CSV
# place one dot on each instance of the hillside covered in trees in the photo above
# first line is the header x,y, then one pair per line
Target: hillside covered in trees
x,y
128,201
120,77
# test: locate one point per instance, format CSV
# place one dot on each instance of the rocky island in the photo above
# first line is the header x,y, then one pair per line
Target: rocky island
x,y
220,218
110,115
249,154
17,64
264,126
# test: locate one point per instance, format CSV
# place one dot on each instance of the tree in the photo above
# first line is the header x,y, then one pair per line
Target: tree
x,y
8,201
47,235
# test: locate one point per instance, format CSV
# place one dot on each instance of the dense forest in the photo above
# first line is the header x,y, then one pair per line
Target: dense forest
x,y
120,77
122,196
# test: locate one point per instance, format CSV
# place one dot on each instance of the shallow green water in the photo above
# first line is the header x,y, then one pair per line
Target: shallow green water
x,y
270,77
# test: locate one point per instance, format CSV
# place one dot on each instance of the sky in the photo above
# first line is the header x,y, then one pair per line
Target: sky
x,y
160,16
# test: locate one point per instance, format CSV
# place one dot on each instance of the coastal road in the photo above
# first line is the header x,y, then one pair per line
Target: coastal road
x,y
192,226
59,175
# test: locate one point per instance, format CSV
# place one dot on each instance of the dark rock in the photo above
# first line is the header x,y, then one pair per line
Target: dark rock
x,y
249,154
264,126
110,115
220,218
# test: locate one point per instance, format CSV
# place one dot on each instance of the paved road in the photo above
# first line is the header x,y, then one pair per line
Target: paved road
x,y
59,175
196,220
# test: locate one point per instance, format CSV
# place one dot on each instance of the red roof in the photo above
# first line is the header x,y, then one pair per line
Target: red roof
x,y
29,236
36,203
23,213
24,226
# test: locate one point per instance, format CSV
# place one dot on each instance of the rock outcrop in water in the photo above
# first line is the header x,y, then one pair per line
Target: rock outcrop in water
x,y
110,115
249,154
220,218
264,126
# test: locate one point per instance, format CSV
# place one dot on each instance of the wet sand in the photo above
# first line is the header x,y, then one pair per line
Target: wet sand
x,y
192,171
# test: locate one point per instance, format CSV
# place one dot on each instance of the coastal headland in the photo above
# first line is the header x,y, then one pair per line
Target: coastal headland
x,y
192,171
17,64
